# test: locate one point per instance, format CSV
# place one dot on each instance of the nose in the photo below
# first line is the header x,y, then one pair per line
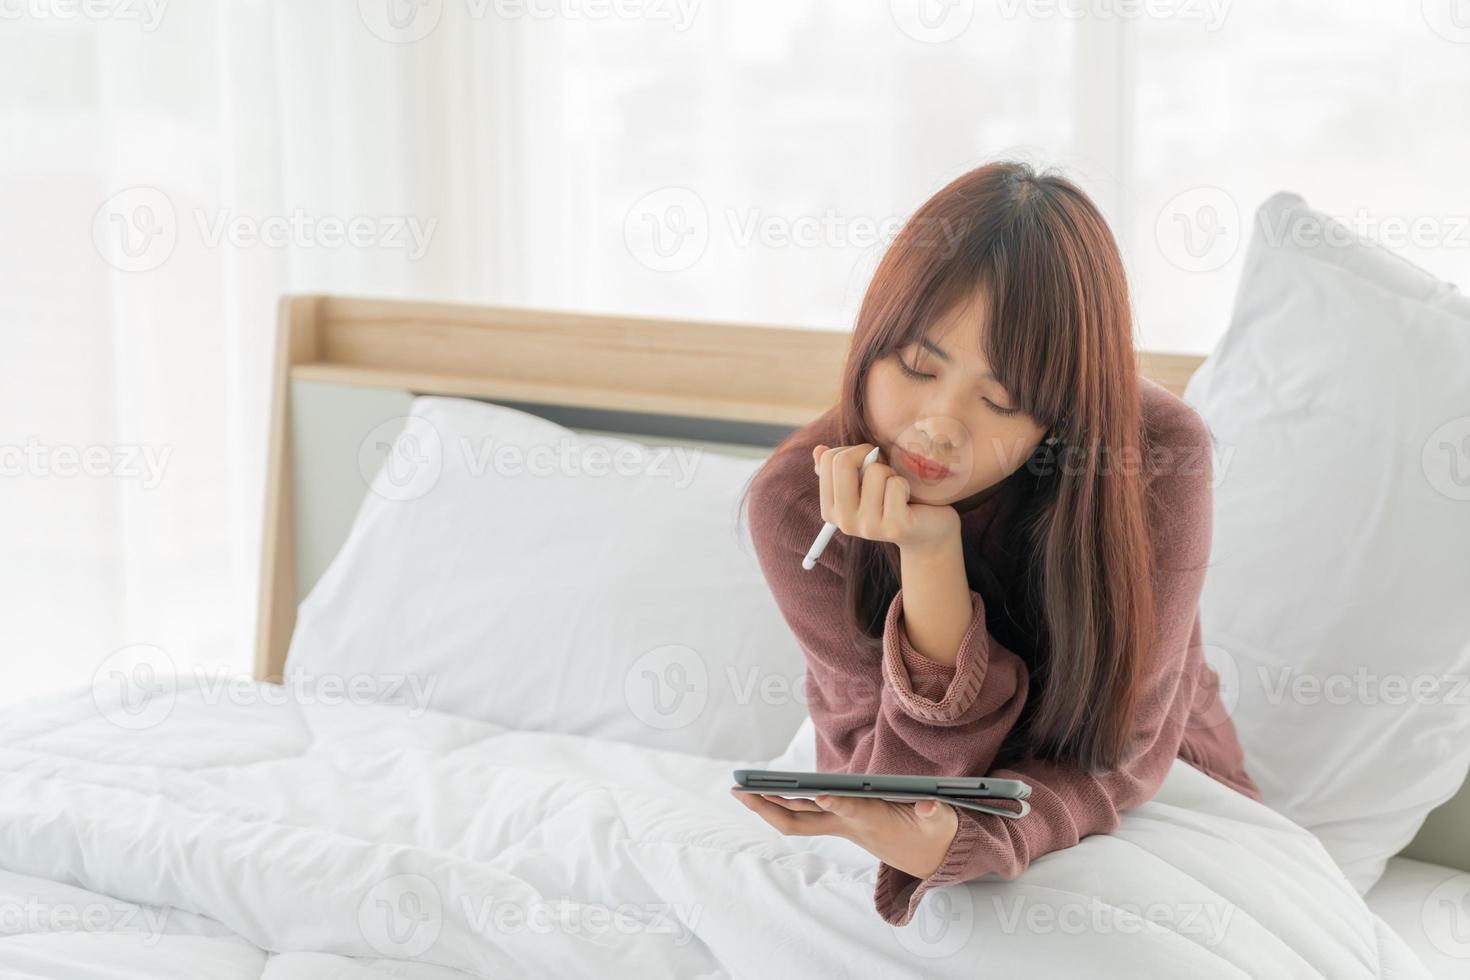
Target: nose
x,y
940,437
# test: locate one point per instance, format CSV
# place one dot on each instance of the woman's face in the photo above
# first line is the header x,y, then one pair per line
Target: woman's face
x,y
951,429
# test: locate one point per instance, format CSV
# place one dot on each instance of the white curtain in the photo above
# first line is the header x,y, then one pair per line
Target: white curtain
x,y
171,169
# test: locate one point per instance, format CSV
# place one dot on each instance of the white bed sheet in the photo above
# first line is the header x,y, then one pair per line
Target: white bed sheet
x,y
291,840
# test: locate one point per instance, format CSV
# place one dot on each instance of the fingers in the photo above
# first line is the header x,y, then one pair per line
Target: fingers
x,y
792,803
838,469
874,496
896,496
824,479
845,486
846,807
791,822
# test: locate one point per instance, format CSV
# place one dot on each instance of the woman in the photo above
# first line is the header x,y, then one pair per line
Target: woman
x,y
1015,591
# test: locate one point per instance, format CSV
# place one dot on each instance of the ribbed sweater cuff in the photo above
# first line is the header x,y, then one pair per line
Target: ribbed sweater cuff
x,y
926,689
897,893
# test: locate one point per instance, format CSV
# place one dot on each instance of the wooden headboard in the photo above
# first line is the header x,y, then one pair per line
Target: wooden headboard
x,y
710,370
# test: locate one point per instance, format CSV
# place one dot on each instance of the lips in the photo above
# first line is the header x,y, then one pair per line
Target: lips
x,y
923,466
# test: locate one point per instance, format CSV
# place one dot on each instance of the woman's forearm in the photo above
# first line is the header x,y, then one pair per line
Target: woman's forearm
x,y
936,599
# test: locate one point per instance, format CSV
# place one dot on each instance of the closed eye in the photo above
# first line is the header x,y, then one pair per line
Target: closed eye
x,y
919,375
911,372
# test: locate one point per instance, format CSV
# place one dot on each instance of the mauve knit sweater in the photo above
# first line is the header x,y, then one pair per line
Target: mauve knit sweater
x,y
893,710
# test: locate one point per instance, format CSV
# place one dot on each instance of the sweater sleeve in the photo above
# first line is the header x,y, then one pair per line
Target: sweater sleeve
x,y
893,710
1068,802
888,710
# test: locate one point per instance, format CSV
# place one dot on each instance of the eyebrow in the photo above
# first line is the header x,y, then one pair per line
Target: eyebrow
x,y
938,352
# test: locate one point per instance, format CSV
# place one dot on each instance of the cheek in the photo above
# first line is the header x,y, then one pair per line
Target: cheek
x,y
887,399
1004,448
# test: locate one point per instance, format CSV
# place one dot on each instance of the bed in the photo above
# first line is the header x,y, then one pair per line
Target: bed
x,y
245,834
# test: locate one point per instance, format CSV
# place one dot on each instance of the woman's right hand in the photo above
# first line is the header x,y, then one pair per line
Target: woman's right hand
x,y
877,507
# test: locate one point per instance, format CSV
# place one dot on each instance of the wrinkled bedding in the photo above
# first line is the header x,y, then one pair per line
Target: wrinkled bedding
x,y
242,835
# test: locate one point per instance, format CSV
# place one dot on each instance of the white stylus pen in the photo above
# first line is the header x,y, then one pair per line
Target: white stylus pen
x,y
829,529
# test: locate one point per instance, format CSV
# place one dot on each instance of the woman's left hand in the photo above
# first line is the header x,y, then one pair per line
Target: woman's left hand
x,y
912,837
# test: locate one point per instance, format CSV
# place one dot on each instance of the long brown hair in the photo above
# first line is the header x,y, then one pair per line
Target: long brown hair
x,y
1060,339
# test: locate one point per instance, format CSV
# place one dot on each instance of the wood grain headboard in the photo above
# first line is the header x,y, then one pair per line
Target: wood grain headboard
x,y
709,370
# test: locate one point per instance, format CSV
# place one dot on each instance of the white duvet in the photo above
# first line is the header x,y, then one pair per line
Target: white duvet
x,y
242,837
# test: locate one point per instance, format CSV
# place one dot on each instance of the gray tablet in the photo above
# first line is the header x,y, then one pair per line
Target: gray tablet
x,y
956,790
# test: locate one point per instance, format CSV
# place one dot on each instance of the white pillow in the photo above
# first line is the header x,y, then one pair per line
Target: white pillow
x,y
537,578
1339,399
